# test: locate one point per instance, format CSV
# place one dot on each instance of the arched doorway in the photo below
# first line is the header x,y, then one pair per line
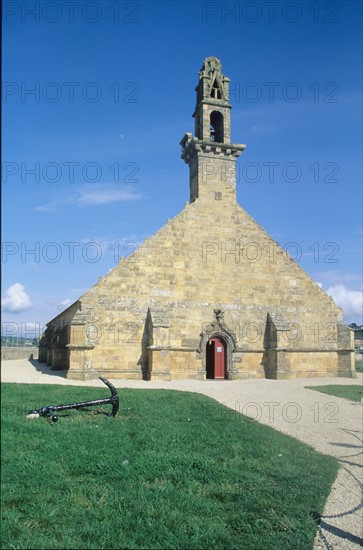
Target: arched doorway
x,y
216,359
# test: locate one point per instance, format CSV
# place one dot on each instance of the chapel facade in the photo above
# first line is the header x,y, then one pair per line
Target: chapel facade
x,y
210,295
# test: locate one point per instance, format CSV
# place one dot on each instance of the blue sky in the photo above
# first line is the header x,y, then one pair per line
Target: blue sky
x,y
96,98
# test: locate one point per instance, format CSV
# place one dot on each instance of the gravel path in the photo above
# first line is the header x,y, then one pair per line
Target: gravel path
x,y
331,425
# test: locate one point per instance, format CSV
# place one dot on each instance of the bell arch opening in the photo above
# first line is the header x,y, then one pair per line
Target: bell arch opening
x,y
216,127
215,90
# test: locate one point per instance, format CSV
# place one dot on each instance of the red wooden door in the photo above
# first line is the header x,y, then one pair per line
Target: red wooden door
x,y
219,358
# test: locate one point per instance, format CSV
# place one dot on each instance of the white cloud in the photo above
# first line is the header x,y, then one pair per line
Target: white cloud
x,y
336,277
66,303
351,301
49,207
122,246
103,195
60,305
16,299
36,267
263,129
92,195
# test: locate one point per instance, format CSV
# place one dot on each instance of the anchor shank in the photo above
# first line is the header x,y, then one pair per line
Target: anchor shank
x,y
83,404
113,400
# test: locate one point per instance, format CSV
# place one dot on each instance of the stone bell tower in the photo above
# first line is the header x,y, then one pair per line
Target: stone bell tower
x,y
210,154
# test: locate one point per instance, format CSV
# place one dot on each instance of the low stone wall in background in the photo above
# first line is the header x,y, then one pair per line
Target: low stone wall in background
x,y
8,353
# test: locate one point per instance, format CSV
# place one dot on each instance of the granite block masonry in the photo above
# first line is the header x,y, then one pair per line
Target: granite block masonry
x,y
210,295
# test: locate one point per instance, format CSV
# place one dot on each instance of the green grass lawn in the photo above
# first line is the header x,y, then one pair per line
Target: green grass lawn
x,y
172,470
352,393
359,366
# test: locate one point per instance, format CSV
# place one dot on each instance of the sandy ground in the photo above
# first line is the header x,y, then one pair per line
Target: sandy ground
x,y
331,425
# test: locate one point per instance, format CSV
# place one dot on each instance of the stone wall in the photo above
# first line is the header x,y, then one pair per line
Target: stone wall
x,y
10,353
146,317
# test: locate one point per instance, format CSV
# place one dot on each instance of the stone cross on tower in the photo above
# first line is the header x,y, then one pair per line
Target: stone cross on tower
x,y
210,154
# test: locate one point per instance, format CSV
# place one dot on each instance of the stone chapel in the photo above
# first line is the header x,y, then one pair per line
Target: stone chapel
x,y
210,295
